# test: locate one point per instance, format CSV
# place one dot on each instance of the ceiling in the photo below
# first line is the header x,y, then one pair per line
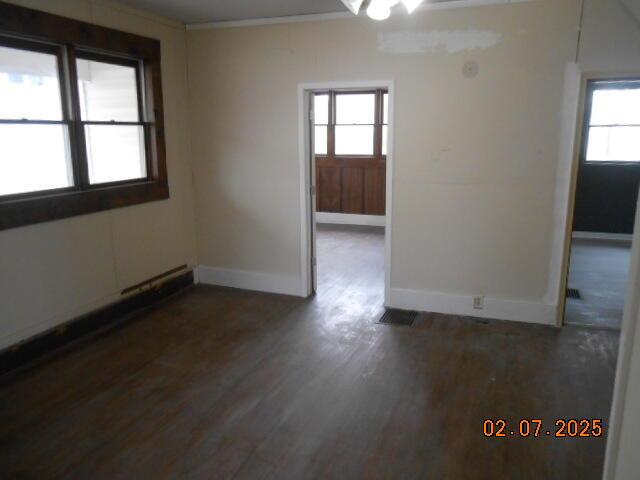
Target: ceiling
x,y
201,11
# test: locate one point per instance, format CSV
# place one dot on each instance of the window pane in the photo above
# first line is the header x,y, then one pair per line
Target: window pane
x,y
115,153
385,108
107,92
384,139
29,86
354,140
30,166
320,140
616,107
355,108
614,144
321,109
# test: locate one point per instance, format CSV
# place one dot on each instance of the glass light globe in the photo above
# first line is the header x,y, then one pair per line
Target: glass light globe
x,y
378,10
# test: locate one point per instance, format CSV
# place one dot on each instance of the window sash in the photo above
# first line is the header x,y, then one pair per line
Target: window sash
x,y
331,126
70,106
592,87
65,37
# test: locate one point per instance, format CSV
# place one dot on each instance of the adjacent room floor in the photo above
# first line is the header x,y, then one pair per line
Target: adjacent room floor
x,y
351,267
231,384
599,270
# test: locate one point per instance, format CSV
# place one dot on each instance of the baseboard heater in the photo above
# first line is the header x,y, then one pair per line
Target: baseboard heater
x,y
44,345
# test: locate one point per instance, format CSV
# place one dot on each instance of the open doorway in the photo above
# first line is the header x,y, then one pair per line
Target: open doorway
x,y
348,168
605,202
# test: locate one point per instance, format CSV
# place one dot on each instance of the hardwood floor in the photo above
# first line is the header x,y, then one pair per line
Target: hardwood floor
x,y
222,383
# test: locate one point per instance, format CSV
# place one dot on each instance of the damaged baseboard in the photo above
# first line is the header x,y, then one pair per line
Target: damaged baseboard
x,y
54,340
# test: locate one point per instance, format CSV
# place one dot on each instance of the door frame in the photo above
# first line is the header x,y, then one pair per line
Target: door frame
x,y
578,147
307,178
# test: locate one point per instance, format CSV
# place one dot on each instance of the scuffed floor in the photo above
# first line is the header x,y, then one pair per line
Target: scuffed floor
x,y
228,384
599,269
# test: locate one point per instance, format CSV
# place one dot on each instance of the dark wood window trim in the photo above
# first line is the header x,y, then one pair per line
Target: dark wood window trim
x,y
68,39
331,127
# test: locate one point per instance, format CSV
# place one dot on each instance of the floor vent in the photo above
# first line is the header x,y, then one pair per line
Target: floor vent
x,y
398,317
573,293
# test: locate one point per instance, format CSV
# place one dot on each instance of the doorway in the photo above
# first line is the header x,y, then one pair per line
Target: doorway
x,y
606,195
346,160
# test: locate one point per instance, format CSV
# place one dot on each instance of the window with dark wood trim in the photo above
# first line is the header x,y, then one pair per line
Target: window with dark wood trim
x,y
354,127
68,151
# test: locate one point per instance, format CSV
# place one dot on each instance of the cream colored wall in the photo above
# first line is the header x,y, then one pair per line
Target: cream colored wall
x,y
475,159
52,272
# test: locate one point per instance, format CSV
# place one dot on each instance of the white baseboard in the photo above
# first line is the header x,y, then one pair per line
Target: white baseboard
x,y
351,219
494,308
614,237
247,280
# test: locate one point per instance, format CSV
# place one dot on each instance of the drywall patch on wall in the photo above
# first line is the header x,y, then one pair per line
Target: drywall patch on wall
x,y
449,41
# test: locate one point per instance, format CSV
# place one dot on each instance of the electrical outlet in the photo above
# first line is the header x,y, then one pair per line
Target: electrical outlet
x,y
478,302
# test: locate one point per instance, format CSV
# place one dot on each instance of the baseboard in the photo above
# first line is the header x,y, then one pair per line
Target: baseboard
x,y
613,237
53,340
494,308
248,280
351,219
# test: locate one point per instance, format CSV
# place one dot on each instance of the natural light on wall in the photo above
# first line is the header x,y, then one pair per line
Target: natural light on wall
x,y
614,125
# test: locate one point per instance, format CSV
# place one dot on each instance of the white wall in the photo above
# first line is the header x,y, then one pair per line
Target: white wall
x,y
475,159
52,272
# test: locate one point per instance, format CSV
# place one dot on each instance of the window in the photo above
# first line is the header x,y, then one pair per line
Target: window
x,y
385,122
355,118
613,126
80,131
112,120
350,124
30,109
321,120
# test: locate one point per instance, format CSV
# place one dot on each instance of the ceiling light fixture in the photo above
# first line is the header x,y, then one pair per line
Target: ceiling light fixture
x,y
411,5
380,9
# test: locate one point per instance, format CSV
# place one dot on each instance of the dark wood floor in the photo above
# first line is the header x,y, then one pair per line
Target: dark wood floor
x,y
221,383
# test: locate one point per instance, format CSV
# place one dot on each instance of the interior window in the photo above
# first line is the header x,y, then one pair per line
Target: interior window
x,y
34,138
614,124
